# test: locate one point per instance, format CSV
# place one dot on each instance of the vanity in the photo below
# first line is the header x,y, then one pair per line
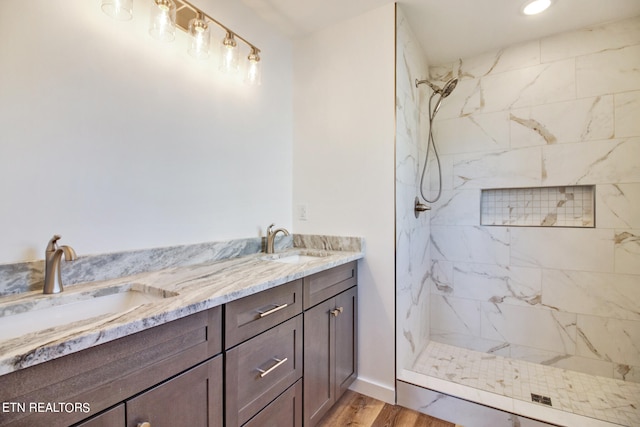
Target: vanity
x,y
278,350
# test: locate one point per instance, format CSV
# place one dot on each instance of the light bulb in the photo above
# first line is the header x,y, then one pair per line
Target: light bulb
x,y
254,72
122,10
229,54
199,35
162,25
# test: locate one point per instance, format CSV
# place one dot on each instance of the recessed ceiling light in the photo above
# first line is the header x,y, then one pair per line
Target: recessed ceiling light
x,y
536,6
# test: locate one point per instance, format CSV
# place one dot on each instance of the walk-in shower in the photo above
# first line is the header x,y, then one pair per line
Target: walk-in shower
x,y
441,93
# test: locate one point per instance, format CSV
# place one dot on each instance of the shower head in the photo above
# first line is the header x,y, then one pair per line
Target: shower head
x,y
445,91
449,87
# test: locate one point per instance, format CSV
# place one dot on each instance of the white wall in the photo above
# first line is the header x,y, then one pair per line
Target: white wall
x,y
118,142
344,166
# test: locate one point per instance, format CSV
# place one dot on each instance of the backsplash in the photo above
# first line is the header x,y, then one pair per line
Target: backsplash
x,y
29,276
571,206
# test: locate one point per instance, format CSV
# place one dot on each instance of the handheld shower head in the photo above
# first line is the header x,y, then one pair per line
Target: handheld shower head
x,y
445,91
449,87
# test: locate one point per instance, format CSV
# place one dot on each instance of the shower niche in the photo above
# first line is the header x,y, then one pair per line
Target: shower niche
x,y
566,206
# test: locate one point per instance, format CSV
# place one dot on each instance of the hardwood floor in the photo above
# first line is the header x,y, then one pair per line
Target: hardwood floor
x,y
354,409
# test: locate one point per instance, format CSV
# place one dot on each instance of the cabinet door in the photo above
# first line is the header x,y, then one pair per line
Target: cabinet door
x,y
346,340
319,363
193,398
285,411
111,418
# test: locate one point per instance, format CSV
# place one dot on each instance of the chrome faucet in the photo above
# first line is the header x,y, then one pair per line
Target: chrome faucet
x,y
271,237
52,276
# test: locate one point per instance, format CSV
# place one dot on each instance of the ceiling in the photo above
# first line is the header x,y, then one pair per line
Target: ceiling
x,y
450,29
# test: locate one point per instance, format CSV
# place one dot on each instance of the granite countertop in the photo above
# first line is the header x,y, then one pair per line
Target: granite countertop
x,y
188,289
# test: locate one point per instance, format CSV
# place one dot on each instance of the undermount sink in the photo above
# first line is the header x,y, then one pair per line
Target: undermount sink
x,y
300,257
40,313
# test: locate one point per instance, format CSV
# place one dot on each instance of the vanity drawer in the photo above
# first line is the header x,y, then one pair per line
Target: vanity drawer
x,y
249,316
327,284
285,411
259,370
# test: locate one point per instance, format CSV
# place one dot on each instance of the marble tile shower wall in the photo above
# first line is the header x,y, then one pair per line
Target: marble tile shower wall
x,y
412,235
563,110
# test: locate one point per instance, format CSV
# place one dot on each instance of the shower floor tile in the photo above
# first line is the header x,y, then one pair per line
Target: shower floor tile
x,y
606,399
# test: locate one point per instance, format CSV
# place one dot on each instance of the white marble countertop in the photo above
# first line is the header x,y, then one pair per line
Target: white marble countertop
x,y
198,287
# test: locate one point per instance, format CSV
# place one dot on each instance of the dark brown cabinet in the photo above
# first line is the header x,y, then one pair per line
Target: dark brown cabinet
x,y
281,366
285,411
193,398
109,374
330,353
109,418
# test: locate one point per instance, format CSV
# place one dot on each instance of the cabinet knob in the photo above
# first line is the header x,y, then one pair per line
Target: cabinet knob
x,y
144,424
337,311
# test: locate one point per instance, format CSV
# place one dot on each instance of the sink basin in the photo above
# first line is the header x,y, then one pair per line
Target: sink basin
x,y
44,312
296,257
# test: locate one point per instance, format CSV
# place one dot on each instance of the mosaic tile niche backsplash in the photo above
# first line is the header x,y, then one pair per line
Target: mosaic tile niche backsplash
x,y
571,206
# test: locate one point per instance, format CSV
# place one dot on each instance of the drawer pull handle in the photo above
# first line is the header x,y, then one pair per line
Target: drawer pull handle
x,y
279,362
144,424
273,310
337,311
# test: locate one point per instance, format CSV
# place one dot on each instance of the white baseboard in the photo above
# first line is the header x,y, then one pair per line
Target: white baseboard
x,y
373,389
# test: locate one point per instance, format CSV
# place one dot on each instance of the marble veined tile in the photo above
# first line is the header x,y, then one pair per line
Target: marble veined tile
x,y
627,111
510,58
577,399
512,168
441,275
609,339
563,361
457,315
470,342
497,284
536,327
609,71
470,244
570,121
458,207
618,205
478,132
627,252
591,40
541,84
604,162
585,249
598,294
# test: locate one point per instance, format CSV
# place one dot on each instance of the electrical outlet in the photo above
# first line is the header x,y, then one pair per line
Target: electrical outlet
x,y
303,211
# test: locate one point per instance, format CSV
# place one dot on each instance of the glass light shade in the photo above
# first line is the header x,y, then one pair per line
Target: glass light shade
x,y
122,10
199,36
162,24
536,6
229,54
254,69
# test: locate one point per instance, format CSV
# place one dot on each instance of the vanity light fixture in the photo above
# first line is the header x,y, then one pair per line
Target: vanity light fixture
x,y
122,10
536,6
200,37
229,53
162,25
254,72
166,15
